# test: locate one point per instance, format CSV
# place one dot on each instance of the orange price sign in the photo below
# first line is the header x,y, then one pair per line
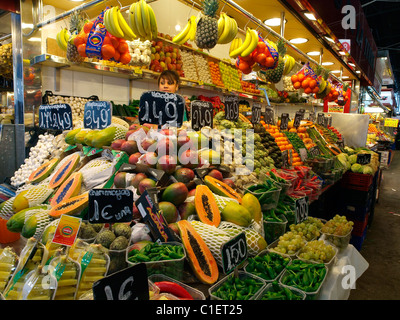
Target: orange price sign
x,y
67,230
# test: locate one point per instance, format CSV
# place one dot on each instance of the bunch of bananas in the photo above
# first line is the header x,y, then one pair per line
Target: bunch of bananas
x,y
143,20
227,29
289,64
62,39
188,32
248,45
236,43
116,24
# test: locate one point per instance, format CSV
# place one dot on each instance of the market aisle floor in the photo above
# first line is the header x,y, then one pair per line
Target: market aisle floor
x,y
381,247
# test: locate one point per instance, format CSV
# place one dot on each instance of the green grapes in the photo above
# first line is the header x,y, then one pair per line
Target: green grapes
x,y
338,226
289,243
318,251
307,230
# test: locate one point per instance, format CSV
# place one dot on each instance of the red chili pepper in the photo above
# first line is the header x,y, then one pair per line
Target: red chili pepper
x,y
173,288
314,178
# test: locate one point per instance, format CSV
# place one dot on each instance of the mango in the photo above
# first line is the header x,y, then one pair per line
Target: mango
x,y
176,193
169,211
251,203
237,214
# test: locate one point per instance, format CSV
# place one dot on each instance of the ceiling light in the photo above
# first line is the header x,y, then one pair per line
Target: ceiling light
x,y
178,27
33,39
335,71
342,53
26,25
352,64
345,77
329,39
358,71
298,40
273,22
310,16
76,0
327,63
313,53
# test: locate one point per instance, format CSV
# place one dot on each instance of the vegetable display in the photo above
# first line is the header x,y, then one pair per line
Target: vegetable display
x,y
267,266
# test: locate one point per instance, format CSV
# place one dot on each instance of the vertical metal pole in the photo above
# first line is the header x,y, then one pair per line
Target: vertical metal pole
x,y
18,71
321,56
282,24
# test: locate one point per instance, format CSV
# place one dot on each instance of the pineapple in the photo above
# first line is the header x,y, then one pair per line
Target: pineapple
x,y
207,27
275,75
75,26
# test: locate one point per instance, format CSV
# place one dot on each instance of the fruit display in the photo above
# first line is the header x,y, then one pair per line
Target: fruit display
x,y
6,61
289,243
140,52
317,251
215,73
142,20
202,67
47,145
8,263
167,57
306,79
230,76
337,231
188,66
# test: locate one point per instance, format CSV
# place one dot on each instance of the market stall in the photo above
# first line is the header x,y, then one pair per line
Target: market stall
x,y
227,196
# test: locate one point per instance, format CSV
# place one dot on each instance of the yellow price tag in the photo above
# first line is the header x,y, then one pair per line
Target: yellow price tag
x,y
393,123
138,70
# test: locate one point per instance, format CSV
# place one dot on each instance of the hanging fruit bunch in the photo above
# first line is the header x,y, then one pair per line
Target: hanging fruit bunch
x,y
306,79
227,29
274,75
324,84
333,94
342,96
142,21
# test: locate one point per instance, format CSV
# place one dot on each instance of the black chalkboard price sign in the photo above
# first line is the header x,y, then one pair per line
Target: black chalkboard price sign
x,y
55,117
110,205
255,113
311,116
234,252
363,158
231,108
301,209
160,108
128,284
320,119
284,121
97,115
297,119
269,116
201,114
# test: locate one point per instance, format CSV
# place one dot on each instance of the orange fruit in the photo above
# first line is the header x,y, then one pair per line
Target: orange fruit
x,y
125,58
305,83
312,84
315,90
297,85
269,62
307,90
82,50
294,78
123,47
117,55
107,51
88,26
107,40
301,77
79,40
